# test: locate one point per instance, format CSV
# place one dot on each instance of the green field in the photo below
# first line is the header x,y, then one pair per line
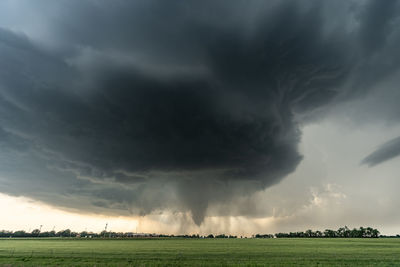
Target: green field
x,y
199,252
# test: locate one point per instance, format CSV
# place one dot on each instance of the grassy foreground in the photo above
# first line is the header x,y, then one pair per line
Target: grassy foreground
x,y
199,252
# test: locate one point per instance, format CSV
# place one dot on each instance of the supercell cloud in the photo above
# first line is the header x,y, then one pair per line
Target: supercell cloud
x,y
143,106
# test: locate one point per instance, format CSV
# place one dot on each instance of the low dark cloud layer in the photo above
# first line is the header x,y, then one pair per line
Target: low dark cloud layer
x,y
150,105
387,151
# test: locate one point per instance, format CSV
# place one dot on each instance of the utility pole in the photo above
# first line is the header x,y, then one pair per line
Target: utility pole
x,y
105,230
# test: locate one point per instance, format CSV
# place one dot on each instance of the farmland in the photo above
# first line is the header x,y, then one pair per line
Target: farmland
x,y
199,252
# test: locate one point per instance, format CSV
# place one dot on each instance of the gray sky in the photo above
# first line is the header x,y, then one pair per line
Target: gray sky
x,y
280,113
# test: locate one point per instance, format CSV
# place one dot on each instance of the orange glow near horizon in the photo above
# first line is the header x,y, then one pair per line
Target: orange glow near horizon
x,y
20,213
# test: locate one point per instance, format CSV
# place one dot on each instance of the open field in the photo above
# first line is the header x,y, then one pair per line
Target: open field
x,y
199,252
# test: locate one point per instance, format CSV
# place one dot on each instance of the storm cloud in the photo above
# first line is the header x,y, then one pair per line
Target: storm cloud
x,y
387,151
143,106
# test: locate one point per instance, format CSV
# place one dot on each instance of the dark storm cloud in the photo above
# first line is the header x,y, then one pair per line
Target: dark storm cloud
x,y
387,151
381,38
377,24
150,105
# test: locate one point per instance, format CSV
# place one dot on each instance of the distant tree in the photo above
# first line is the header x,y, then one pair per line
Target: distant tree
x,y
343,232
83,234
375,233
52,233
318,234
5,233
44,234
21,233
362,232
355,233
330,233
281,235
264,236
309,233
221,236
64,233
35,232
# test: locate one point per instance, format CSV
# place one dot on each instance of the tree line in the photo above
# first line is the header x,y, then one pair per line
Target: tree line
x,y
103,234
342,232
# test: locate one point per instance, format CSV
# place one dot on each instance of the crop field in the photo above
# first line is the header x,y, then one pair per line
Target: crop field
x,y
199,252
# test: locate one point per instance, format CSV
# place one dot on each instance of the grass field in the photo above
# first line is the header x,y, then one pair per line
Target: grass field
x,y
199,252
